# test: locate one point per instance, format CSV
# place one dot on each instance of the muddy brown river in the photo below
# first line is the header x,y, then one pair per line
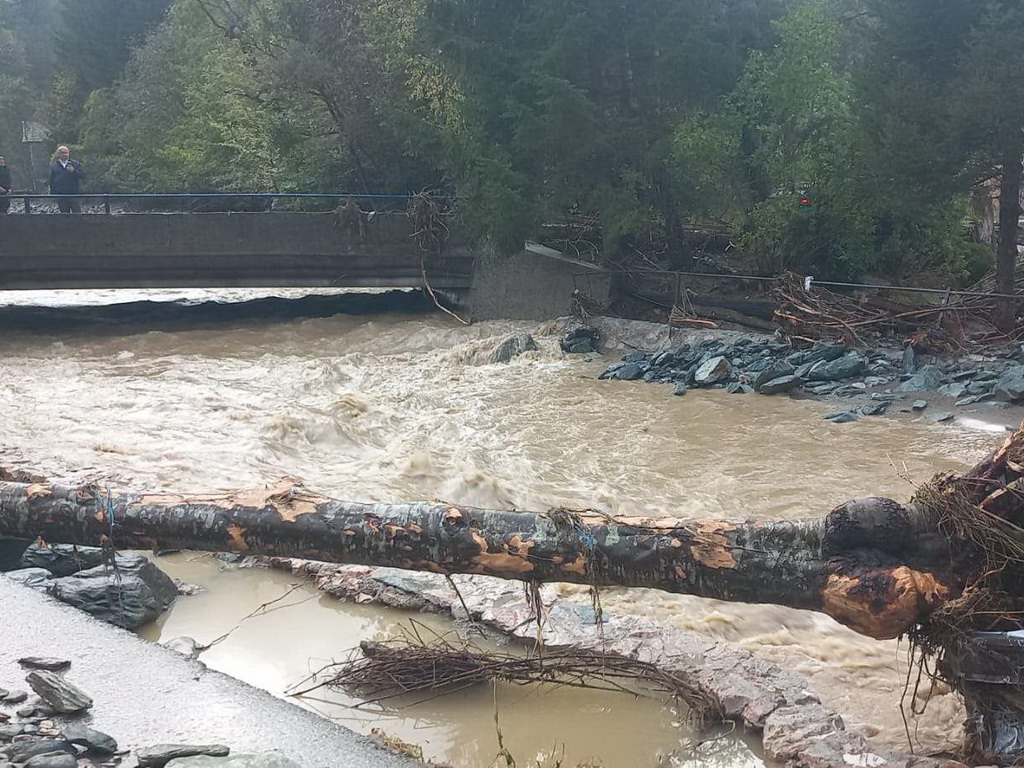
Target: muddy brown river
x,y
400,408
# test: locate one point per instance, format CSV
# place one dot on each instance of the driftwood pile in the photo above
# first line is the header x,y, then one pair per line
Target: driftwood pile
x,y
950,324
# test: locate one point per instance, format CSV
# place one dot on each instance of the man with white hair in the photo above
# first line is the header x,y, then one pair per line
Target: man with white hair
x,y
65,176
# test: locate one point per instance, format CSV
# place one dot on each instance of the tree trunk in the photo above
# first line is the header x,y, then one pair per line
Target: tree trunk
x,y
876,565
1006,253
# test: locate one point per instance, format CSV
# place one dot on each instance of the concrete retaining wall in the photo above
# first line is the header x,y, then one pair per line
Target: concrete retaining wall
x,y
536,284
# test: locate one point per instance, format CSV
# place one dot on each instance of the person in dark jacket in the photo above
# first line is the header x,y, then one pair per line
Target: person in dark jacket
x,y
65,176
5,186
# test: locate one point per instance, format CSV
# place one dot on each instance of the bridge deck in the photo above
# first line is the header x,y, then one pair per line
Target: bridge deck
x,y
222,250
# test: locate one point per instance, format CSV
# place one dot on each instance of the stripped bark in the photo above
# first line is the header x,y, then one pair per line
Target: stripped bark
x,y
874,564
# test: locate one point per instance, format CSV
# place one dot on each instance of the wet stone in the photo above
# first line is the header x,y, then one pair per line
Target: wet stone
x,y
10,731
842,417
26,712
628,372
57,692
928,379
779,385
919,405
874,409
943,416
160,755
15,697
19,753
54,760
95,741
43,662
263,760
680,390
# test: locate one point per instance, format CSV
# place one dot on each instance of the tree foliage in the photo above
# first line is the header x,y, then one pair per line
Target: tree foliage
x,y
651,117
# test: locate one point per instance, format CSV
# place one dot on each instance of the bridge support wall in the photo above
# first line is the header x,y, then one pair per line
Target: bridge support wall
x,y
535,284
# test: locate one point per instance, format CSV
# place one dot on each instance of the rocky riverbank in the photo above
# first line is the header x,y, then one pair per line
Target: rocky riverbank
x,y
863,382
796,728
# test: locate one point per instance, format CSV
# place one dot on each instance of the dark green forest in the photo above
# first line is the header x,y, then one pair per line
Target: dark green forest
x,y
842,138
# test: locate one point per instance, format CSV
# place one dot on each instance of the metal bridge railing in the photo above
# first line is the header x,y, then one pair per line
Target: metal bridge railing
x,y
207,202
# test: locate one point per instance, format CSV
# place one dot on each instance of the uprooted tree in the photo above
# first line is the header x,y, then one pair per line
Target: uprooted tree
x,y
939,569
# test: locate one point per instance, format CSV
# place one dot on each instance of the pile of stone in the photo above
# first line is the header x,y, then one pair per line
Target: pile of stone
x,y
127,590
47,731
874,379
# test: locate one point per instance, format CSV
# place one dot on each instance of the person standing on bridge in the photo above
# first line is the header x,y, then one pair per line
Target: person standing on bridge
x,y
5,186
65,176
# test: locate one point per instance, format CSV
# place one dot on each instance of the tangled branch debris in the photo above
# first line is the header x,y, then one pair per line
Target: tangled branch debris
x,y
411,665
429,225
951,324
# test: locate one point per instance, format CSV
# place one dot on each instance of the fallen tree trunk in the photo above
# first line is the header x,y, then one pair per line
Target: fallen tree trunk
x,y
876,565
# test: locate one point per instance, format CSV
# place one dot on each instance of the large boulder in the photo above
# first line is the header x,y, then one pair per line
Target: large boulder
x,y
1010,386
713,371
772,371
11,551
928,379
780,385
33,578
130,595
59,694
61,559
844,367
513,346
581,340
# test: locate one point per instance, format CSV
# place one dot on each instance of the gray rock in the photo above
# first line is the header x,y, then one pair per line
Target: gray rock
x,y
15,697
825,352
26,711
513,347
835,370
739,389
779,385
160,755
93,740
972,400
873,409
19,752
928,379
134,595
57,692
9,731
583,339
262,760
953,390
713,371
62,559
48,663
10,553
186,646
909,359
942,416
628,372
53,760
33,578
1010,386
842,417
980,388
919,405
680,390
774,371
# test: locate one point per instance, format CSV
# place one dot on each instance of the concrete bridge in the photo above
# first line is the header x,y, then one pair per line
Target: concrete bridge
x,y
273,248
226,250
